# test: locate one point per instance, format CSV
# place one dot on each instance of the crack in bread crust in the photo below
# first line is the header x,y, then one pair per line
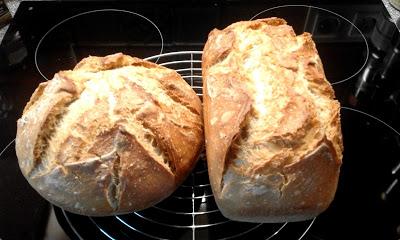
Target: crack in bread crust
x,y
175,97
159,148
35,96
63,93
48,129
113,195
165,94
159,144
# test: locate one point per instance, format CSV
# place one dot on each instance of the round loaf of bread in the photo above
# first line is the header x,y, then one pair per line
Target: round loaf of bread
x,y
117,134
272,126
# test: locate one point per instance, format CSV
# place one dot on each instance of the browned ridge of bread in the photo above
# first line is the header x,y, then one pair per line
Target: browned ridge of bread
x,y
116,134
272,126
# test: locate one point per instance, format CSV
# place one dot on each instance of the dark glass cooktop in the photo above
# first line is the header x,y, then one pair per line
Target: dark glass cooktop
x,y
358,46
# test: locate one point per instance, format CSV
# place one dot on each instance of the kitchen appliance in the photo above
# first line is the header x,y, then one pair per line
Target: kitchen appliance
x,y
358,45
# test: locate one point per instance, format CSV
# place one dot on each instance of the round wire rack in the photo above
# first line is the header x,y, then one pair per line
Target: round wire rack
x,y
190,212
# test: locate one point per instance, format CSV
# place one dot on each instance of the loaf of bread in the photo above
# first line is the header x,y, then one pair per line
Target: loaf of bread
x,y
272,126
116,134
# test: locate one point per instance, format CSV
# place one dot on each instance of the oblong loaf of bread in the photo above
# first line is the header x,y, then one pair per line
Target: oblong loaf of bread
x,y
116,134
272,126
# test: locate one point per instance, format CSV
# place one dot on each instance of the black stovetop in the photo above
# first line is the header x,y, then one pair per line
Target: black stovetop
x,y
358,47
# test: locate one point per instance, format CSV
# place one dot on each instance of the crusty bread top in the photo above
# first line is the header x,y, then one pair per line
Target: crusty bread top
x,y
267,101
109,106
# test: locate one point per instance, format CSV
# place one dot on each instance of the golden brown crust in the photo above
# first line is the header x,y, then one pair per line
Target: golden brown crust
x,y
279,158
116,134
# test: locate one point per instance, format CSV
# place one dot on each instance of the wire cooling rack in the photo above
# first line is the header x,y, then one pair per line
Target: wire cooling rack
x,y
190,212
